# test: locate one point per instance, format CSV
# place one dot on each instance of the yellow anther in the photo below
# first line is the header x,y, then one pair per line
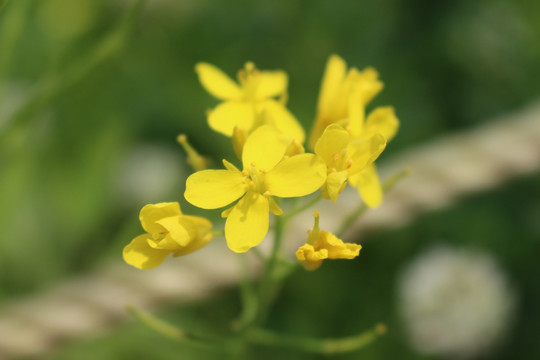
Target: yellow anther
x,y
335,157
316,214
333,169
245,172
252,184
267,194
244,180
253,164
262,171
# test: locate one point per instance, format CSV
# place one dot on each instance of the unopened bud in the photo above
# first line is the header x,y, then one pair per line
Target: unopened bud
x,y
194,159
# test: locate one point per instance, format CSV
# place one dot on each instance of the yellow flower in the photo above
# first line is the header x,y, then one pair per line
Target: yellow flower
x,y
322,245
266,173
250,103
338,89
346,157
381,121
343,98
168,231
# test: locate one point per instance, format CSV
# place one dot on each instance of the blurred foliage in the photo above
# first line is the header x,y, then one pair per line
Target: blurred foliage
x,y
85,84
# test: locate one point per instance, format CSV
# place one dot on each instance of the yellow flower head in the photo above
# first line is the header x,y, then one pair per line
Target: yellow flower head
x,y
338,89
249,103
168,231
381,121
322,245
266,173
343,98
346,157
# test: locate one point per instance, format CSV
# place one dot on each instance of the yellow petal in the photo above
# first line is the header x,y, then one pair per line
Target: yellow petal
x,y
140,255
382,120
271,83
226,116
364,152
247,224
212,189
167,243
177,233
333,77
356,113
307,252
238,139
341,101
282,119
217,83
296,176
265,147
294,148
334,139
337,249
152,213
200,232
369,186
310,258
369,84
335,182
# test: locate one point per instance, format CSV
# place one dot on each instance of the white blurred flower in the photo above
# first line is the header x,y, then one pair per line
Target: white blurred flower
x,y
456,303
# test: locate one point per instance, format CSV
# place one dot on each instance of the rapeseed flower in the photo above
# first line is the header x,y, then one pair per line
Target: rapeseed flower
x,y
266,173
322,245
342,99
249,103
346,157
339,89
168,231
381,121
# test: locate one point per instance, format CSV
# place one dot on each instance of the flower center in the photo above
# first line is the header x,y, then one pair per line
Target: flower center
x,y
249,79
160,235
341,161
254,178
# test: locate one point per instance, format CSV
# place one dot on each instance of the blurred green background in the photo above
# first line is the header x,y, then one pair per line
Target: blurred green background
x,y
94,92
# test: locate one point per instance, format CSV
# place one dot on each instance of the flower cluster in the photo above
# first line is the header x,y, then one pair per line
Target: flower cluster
x,y
273,163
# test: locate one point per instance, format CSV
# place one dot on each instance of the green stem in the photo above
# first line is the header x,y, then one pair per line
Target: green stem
x,y
351,219
249,298
307,205
168,330
326,346
387,186
268,283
